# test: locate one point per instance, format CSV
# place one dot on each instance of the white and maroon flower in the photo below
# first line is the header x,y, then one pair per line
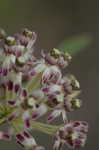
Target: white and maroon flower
x,y
57,111
72,104
73,134
7,64
56,57
25,140
26,38
26,118
41,109
51,75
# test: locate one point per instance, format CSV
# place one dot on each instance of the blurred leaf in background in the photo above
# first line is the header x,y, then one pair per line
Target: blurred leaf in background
x,y
75,44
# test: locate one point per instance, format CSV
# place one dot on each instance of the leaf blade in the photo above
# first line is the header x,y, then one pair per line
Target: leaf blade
x,y
75,44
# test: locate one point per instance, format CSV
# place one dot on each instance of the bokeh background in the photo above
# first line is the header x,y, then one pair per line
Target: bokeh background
x,y
54,21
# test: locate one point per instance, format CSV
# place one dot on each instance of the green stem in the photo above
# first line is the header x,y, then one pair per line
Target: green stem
x,y
15,128
45,128
18,124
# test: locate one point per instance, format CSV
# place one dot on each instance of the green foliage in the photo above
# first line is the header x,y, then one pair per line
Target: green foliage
x,y
75,44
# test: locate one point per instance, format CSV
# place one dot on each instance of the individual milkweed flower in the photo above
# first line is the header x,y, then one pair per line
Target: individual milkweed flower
x,y
73,134
72,104
26,140
51,75
13,84
53,89
7,64
55,57
41,110
38,94
58,109
40,67
16,50
26,38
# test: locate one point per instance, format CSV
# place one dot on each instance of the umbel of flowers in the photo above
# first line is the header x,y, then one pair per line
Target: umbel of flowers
x,y
31,88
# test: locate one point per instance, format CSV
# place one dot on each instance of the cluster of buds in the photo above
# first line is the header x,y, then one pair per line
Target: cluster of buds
x,y
31,88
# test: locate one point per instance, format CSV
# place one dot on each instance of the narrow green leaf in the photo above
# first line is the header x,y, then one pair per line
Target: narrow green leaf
x,y
75,44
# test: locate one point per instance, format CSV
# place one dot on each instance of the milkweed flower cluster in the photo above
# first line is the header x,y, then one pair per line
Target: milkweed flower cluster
x,y
31,88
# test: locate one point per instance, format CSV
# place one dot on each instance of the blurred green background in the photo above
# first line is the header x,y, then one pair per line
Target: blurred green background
x,y
55,21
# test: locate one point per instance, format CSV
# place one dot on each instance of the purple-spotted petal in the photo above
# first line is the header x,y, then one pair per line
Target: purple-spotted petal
x,y
11,102
35,116
10,85
20,137
27,123
16,87
53,115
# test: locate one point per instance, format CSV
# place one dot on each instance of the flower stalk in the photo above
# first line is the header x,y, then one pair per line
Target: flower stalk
x,y
45,128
